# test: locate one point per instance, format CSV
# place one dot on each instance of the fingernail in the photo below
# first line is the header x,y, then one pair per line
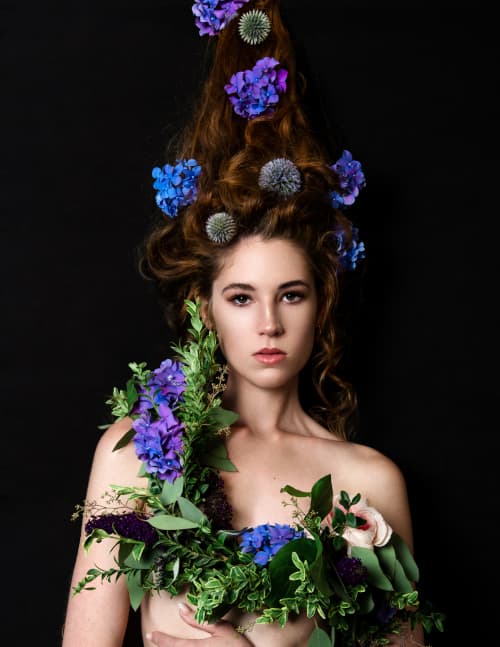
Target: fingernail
x,y
183,608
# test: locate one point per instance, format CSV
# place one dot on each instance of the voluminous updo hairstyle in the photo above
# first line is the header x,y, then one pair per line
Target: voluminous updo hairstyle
x,y
177,253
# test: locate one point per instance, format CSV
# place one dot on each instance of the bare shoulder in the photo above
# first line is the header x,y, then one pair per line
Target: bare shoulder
x,y
363,469
111,465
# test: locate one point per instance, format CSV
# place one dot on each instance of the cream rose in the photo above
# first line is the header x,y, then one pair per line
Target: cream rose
x,y
375,532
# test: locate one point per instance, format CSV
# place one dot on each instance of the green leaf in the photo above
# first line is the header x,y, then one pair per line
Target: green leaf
x,y
172,491
220,418
281,567
96,535
125,439
190,512
322,496
405,557
401,582
135,590
376,576
132,395
387,557
216,456
319,638
294,492
170,522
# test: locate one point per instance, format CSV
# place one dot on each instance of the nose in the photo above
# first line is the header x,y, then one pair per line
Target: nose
x,y
270,324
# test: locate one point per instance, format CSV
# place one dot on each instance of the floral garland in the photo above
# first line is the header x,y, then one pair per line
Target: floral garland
x,y
340,562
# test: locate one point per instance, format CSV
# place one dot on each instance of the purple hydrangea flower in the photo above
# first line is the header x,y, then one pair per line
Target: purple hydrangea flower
x,y
351,570
213,15
351,179
256,91
130,525
176,185
159,444
265,541
350,256
165,387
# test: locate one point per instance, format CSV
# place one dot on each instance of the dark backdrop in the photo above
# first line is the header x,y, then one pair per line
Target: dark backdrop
x,y
91,92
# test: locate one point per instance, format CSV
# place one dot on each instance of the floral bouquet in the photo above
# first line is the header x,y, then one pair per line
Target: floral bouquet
x,y
339,563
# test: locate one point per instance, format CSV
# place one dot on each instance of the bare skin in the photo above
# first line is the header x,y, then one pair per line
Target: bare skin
x,y
274,443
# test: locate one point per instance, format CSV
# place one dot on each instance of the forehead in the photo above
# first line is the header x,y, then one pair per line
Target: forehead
x,y
254,260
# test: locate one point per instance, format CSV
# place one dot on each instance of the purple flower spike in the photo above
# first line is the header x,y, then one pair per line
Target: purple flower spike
x,y
265,541
211,16
130,525
351,178
256,92
351,570
176,185
159,444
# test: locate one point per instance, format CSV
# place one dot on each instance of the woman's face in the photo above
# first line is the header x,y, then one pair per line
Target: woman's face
x,y
264,309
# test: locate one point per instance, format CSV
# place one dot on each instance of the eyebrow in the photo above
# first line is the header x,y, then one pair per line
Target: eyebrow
x,y
250,288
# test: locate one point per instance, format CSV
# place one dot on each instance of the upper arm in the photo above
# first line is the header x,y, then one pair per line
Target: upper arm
x,y
98,618
387,492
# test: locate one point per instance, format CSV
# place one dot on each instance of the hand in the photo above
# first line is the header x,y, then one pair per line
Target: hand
x,y
222,633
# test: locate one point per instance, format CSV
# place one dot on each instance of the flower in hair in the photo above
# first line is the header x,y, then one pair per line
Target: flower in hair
x,y
213,15
351,178
255,92
352,253
221,227
254,27
176,185
280,176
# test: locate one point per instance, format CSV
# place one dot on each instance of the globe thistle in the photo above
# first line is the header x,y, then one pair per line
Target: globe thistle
x,y
254,27
221,227
280,176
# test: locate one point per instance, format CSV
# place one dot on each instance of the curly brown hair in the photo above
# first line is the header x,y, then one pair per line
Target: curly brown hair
x,y
180,258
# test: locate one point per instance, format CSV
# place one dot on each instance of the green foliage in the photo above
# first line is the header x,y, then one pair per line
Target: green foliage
x,y
302,577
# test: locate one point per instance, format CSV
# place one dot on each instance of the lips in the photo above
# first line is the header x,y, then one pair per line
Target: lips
x,y
270,355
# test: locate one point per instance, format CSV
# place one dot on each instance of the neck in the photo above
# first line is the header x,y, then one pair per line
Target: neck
x,y
264,410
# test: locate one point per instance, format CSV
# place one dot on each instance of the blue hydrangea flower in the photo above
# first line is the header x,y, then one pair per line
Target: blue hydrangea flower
x,y
256,92
265,541
165,387
176,185
158,444
213,15
350,256
351,178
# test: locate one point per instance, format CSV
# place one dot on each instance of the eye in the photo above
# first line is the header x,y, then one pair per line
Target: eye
x,y
240,299
292,297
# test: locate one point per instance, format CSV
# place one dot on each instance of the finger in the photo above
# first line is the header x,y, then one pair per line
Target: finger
x,y
187,614
221,628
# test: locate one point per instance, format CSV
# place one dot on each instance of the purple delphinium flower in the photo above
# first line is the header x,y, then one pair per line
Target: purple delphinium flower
x,y
265,540
349,256
130,525
176,185
255,92
351,179
159,445
351,570
213,15
165,387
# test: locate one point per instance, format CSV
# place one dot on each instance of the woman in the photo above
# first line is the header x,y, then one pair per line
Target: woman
x,y
268,272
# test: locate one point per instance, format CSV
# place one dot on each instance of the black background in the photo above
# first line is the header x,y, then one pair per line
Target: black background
x,y
91,92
